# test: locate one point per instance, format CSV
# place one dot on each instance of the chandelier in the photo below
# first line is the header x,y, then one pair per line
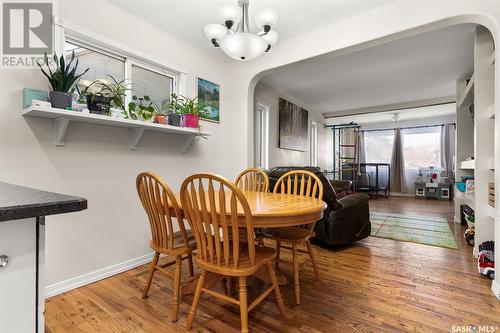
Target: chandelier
x,y
234,36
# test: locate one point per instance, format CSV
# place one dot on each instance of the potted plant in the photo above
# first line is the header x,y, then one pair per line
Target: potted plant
x,y
140,108
96,102
102,95
175,110
191,111
62,78
161,112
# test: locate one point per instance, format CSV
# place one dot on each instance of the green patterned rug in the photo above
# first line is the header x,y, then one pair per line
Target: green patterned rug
x,y
416,229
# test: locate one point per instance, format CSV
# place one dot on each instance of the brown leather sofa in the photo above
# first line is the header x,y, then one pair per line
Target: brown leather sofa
x,y
341,187
344,221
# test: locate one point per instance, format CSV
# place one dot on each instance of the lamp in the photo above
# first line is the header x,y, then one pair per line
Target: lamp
x,y
241,44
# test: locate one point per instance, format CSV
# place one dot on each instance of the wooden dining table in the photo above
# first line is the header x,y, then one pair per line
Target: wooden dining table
x,y
275,210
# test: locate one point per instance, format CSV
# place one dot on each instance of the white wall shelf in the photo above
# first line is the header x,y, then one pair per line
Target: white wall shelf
x,y
467,165
467,198
136,128
467,97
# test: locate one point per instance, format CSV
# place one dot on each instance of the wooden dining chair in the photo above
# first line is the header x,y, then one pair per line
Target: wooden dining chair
x,y
305,183
161,207
212,204
253,180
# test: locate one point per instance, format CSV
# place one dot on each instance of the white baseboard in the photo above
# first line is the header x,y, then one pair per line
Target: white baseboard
x,y
79,281
495,287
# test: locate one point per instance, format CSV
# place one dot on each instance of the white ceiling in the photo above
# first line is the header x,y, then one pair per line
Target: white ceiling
x,y
187,18
421,67
403,115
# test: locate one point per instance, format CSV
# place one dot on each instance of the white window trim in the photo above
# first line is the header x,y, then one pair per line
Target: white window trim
x,y
313,144
115,49
262,135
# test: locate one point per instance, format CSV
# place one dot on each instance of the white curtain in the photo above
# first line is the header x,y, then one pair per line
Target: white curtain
x,y
445,153
362,154
398,176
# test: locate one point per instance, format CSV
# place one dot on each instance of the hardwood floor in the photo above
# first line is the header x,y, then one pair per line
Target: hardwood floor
x,y
375,285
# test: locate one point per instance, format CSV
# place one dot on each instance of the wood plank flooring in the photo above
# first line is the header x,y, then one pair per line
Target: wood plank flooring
x,y
375,285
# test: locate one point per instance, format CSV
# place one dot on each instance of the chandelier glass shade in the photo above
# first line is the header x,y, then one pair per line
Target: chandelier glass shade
x,y
233,35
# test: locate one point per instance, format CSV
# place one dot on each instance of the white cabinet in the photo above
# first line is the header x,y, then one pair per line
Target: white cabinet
x,y
19,283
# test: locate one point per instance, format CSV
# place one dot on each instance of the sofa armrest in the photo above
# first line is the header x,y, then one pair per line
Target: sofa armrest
x,y
342,185
353,200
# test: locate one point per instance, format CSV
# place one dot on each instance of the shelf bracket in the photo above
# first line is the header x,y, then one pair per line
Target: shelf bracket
x,y
134,136
60,126
188,143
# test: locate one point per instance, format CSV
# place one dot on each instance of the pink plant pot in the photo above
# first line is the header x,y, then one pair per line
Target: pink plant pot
x,y
191,120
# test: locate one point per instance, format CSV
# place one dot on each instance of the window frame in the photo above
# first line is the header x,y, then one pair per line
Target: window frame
x,y
262,134
99,44
431,129
129,63
366,146
313,144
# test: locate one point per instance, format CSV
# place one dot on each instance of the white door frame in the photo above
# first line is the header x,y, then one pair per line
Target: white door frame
x,y
262,135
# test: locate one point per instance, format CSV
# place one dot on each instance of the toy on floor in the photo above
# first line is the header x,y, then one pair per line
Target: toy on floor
x,y
469,236
470,232
486,260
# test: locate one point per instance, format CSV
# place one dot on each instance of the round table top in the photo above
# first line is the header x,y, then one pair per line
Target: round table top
x,y
275,210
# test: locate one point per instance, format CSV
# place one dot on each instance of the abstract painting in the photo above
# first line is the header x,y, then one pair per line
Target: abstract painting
x,y
293,126
209,95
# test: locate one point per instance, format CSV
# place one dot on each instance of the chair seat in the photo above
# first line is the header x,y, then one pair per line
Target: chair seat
x,y
263,255
287,234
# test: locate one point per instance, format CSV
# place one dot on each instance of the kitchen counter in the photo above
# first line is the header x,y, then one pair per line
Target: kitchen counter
x,y
18,202
22,253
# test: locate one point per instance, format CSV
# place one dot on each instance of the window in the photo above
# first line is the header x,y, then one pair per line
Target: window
x,y
422,147
148,82
313,144
100,64
378,146
262,135
143,78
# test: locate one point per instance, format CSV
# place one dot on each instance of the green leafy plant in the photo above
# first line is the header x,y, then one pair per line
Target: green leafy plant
x,y
176,104
115,91
140,106
61,74
184,105
163,108
193,106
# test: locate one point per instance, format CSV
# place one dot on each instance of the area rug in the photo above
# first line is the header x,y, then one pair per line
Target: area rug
x,y
427,230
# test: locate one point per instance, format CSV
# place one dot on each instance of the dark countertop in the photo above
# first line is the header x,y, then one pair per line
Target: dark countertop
x,y
18,202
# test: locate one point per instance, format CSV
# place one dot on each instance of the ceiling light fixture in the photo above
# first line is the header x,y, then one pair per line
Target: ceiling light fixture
x,y
234,36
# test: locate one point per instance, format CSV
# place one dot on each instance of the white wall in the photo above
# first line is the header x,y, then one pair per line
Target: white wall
x,y
96,163
268,96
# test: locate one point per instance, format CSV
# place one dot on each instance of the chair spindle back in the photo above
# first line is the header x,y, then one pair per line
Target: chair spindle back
x,y
300,182
161,206
213,205
254,180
